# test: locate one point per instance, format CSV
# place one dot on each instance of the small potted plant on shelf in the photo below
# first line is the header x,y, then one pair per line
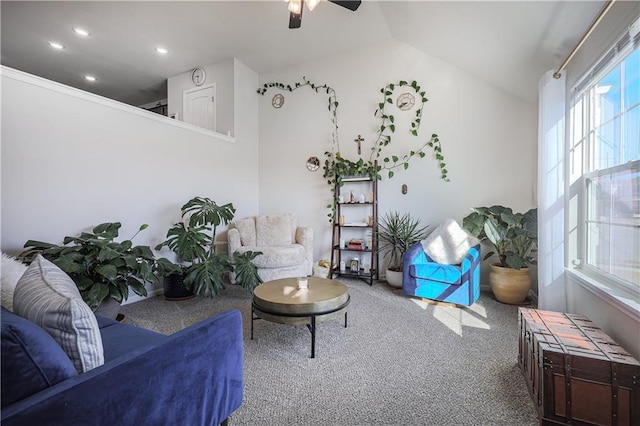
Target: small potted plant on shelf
x,y
514,237
103,269
397,233
202,269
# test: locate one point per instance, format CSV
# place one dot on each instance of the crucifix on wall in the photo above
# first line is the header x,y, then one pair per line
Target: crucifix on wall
x,y
359,140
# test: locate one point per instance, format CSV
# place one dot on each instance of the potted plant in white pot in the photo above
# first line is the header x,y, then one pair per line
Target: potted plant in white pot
x,y
397,233
514,237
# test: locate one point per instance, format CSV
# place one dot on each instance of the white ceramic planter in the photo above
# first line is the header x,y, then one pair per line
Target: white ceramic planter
x,y
394,278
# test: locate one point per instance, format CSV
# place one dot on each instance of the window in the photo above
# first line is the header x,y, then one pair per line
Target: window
x,y
604,162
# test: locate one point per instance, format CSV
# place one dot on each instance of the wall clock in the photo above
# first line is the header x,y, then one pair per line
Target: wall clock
x,y
313,164
277,101
406,101
198,76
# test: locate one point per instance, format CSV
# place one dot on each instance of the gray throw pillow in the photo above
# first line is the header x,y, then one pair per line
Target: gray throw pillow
x,y
46,296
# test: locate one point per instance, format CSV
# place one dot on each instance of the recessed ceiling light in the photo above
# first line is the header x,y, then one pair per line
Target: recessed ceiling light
x,y
80,31
56,45
162,50
90,78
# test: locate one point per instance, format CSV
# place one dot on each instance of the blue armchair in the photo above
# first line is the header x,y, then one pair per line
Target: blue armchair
x,y
423,277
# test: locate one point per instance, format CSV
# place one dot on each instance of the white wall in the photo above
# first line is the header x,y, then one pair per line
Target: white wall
x,y
488,139
222,74
71,160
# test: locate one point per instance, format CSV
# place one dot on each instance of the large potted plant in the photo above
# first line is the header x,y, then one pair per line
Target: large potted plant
x,y
103,269
201,269
397,233
514,237
193,242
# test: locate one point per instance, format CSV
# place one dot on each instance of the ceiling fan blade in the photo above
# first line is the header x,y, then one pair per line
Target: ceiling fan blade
x,y
349,4
295,19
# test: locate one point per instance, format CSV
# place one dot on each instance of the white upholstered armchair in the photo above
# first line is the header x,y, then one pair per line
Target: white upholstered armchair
x,y
287,250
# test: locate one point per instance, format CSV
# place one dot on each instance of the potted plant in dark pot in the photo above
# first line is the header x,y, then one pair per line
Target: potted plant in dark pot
x,y
188,243
193,242
514,237
201,268
397,233
103,269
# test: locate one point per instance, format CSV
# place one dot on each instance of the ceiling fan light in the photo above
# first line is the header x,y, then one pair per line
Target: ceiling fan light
x,y
295,6
311,4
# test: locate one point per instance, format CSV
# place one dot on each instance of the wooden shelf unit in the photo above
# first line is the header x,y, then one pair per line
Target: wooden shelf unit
x,y
349,228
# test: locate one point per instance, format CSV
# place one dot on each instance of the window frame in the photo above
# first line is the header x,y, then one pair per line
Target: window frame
x,y
584,91
588,269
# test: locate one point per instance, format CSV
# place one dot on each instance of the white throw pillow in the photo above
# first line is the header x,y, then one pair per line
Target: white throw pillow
x,y
10,272
247,229
46,296
275,231
448,243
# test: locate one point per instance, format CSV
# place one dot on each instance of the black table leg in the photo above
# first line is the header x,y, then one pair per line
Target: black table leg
x,y
345,319
252,314
313,337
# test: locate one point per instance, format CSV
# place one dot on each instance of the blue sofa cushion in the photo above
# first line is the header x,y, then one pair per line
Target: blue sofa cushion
x,y
31,359
119,339
448,274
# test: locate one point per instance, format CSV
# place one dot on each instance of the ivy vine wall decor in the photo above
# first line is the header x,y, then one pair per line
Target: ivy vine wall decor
x,y
378,165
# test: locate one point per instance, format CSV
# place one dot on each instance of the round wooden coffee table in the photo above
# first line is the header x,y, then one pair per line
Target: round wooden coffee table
x,y
281,301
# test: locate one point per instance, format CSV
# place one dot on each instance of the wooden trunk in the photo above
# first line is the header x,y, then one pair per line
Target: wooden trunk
x,y
576,374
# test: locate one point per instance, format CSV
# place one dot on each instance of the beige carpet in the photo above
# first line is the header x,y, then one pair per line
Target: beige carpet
x,y
399,362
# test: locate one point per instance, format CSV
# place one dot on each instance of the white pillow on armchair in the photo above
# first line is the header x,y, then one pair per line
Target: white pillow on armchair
x,y
448,243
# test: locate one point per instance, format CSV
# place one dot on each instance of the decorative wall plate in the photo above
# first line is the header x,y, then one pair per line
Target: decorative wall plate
x,y
277,101
406,101
313,164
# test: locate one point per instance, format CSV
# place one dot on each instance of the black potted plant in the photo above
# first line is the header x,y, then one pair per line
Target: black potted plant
x,y
514,237
202,269
397,233
103,269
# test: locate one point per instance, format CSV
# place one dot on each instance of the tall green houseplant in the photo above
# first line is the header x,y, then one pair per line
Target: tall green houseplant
x,y
397,233
100,266
514,236
193,242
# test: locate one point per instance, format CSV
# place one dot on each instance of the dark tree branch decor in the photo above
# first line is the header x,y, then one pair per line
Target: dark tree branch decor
x,y
336,166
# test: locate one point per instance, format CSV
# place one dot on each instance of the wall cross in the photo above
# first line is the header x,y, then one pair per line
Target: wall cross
x,y
359,140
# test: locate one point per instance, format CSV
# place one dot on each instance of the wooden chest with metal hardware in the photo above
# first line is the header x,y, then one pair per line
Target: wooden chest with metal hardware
x,y
576,374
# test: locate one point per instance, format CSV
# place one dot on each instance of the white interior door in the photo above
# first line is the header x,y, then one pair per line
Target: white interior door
x,y
199,106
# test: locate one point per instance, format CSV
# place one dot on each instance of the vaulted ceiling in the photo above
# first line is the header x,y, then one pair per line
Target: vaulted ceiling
x,y
508,44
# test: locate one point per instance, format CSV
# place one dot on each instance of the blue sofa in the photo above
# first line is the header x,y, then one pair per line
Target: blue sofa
x,y
193,377
458,284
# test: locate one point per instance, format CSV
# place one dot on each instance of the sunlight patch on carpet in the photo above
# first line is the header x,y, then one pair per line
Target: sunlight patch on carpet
x,y
478,309
421,303
455,318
